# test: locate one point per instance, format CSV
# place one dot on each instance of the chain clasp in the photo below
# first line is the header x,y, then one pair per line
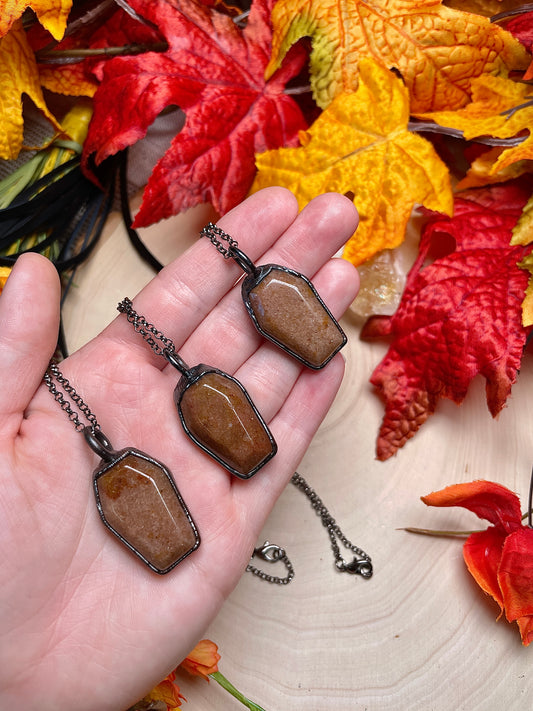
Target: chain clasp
x,y
358,566
269,552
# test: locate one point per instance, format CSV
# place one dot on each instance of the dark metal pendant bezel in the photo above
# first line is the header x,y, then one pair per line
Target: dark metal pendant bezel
x,y
111,461
193,375
253,279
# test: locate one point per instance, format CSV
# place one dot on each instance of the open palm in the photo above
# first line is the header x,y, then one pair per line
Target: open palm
x,y
83,623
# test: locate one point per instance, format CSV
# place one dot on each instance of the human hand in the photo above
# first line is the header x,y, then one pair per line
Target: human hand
x,y
83,623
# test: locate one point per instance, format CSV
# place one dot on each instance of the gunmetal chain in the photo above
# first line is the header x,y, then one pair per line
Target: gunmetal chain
x,y
362,563
147,330
212,232
272,553
54,372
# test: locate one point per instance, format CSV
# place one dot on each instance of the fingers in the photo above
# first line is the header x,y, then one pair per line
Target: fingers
x,y
182,300
185,291
29,324
293,428
269,374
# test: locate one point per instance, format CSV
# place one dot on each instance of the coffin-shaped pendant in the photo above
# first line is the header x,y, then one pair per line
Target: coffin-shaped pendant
x,y
287,309
219,416
139,502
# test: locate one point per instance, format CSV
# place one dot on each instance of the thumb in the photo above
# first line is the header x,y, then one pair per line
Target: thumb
x,y
29,326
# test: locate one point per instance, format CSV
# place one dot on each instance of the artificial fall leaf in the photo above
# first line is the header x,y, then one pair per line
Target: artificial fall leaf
x,y
521,27
116,29
500,558
69,80
460,316
437,50
4,273
523,230
214,71
52,14
361,144
527,304
482,170
18,75
500,108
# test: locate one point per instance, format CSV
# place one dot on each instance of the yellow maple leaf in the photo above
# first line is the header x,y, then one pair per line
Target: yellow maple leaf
x,y
523,230
527,303
523,234
501,108
436,49
482,170
18,75
487,8
68,79
52,14
361,144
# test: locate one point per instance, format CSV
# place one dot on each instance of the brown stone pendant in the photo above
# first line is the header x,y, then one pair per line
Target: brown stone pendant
x,y
139,502
287,309
219,416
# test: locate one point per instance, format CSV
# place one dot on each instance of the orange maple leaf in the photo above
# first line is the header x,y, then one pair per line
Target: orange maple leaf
x,y
361,144
500,108
18,75
52,14
436,49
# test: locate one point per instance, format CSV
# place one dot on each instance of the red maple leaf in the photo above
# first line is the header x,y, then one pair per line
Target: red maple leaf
x,y
214,71
521,27
460,316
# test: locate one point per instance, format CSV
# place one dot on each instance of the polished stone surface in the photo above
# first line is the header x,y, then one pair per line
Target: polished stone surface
x,y
288,311
138,501
219,416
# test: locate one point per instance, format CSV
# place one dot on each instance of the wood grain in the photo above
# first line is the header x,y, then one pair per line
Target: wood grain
x,y
419,635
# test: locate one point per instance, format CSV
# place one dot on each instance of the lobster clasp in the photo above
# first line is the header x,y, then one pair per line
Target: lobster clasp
x,y
358,566
269,552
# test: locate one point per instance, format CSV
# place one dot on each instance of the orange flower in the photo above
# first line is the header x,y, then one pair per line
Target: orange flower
x,y
501,557
203,660
168,692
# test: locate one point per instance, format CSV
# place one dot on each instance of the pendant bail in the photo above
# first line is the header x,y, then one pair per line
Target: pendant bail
x,y
243,260
177,361
99,443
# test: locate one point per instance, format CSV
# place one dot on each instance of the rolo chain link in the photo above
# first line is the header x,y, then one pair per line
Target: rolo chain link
x,y
148,331
272,553
212,232
54,372
361,565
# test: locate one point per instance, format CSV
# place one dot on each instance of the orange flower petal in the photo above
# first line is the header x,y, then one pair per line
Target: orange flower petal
x,y
482,553
168,692
525,624
516,574
488,500
203,660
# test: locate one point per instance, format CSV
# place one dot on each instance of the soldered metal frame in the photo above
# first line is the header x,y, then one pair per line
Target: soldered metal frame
x,y
192,376
100,444
254,278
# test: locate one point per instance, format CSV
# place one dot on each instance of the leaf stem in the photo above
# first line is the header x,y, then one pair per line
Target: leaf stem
x,y
298,89
511,13
228,686
430,127
70,56
435,532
